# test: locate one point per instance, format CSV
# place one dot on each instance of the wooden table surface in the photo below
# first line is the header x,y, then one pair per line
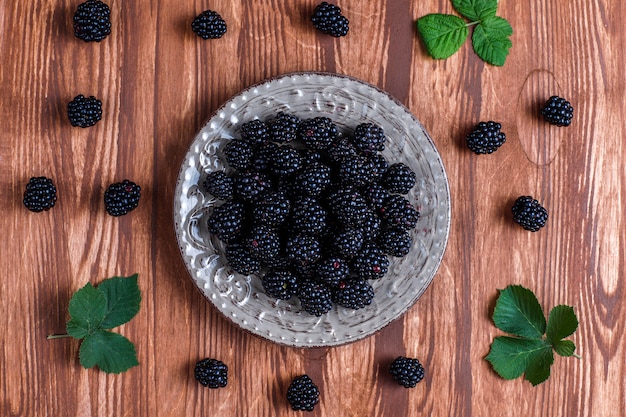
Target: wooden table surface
x,y
159,82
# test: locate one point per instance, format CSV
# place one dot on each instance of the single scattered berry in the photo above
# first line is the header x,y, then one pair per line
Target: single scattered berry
x,y
485,138
317,133
395,242
399,213
370,262
399,179
219,185
315,298
84,111
406,371
369,138
303,394
211,373
280,284
238,154
557,111
354,293
40,194
284,127
256,132
528,213
121,198
92,21
241,260
226,221
328,19
209,25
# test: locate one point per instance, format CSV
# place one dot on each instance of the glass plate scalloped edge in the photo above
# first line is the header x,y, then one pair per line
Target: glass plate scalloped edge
x,y
348,102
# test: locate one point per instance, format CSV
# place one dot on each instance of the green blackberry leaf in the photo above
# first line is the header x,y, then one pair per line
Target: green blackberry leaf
x,y
476,10
87,309
490,40
510,356
538,369
564,347
518,312
443,34
123,298
111,352
562,322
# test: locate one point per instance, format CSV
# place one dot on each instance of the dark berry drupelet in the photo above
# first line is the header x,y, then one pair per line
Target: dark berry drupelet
x,y
308,216
328,19
353,293
313,179
284,127
356,171
255,131
40,194
209,25
528,213
121,198
303,394
84,111
398,212
369,138
286,161
226,221
211,373
395,242
557,111
241,260
263,242
370,262
92,21
303,249
399,179
315,298
317,133
219,185
280,284
238,154
406,371
271,208
348,206
485,138
251,185
347,242
331,271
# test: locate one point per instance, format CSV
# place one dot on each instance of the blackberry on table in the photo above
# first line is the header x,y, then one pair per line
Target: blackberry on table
x,y
406,371
313,179
241,260
211,373
255,131
369,138
263,242
84,111
557,111
398,212
280,284
529,213
370,262
395,242
40,194
238,154
353,293
209,25
303,249
271,208
92,21
303,394
331,271
308,216
317,133
121,198
347,242
284,127
399,179
226,222
315,298
286,161
251,185
485,138
328,19
356,171
219,185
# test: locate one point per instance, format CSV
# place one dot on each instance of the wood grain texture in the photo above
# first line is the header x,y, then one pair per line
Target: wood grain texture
x,y
159,83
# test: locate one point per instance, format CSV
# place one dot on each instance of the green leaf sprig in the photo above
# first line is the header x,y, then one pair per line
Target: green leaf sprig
x,y
93,312
443,34
530,352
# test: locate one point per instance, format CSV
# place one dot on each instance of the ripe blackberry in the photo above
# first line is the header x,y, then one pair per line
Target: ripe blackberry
x,y
353,293
557,111
256,132
399,179
340,149
356,171
220,185
40,194
528,213
286,161
370,262
395,242
328,19
250,185
485,138
241,260
303,394
226,222
84,111
317,133
331,271
209,25
308,216
310,157
263,156
284,127
263,242
313,179
371,226
303,249
121,198
375,195
348,206
238,154
271,209
398,212
92,21
369,138
280,284
380,164
347,242
406,371
211,373
315,298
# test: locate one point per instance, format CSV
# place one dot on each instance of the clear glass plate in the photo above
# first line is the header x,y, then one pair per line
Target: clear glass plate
x,y
348,102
